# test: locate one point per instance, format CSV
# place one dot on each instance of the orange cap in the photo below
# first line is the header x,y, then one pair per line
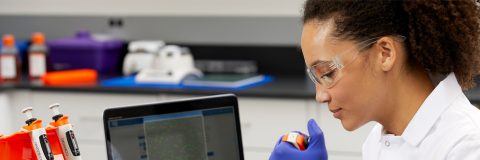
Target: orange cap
x,y
38,38
35,125
8,40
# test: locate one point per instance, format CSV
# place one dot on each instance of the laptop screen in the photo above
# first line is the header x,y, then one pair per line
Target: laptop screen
x,y
189,135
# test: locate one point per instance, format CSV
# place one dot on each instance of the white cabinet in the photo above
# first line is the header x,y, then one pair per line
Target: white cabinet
x,y
93,150
344,156
18,99
256,154
6,117
264,120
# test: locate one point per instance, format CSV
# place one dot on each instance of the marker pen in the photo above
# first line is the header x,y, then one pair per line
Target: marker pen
x,y
65,134
38,136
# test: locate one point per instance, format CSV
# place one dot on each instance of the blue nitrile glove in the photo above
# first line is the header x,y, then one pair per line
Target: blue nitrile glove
x,y
316,149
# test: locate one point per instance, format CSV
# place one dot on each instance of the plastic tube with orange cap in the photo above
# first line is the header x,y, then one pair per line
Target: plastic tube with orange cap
x,y
65,134
297,139
9,61
37,56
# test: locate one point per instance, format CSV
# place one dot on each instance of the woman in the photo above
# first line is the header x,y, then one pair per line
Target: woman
x,y
374,61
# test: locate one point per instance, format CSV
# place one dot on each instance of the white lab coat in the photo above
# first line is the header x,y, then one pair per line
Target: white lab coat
x,y
446,127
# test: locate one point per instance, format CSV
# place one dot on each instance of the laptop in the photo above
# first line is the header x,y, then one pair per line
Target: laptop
x,y
205,128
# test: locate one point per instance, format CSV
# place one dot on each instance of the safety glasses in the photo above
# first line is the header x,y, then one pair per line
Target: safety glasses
x,y
327,73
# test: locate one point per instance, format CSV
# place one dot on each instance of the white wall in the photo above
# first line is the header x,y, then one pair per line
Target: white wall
x,y
5,114
289,8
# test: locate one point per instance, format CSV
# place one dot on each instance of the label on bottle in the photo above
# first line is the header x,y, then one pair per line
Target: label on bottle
x,y
8,66
37,64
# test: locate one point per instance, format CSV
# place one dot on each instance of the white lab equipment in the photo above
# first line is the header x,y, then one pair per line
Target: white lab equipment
x,y
38,136
65,134
170,66
140,55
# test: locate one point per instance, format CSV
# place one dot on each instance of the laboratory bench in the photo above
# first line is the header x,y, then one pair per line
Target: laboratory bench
x,y
280,87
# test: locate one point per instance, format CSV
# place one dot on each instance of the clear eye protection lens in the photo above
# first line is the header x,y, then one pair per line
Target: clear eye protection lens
x,y
323,73
311,76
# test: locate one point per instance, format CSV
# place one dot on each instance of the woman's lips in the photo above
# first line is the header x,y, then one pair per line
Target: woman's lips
x,y
336,112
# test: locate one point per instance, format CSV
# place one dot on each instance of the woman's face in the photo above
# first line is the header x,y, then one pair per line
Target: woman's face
x,y
356,97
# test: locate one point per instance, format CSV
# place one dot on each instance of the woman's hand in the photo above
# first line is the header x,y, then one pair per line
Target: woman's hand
x,y
316,149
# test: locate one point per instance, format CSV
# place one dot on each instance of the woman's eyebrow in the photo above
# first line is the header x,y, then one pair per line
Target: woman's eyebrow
x,y
317,62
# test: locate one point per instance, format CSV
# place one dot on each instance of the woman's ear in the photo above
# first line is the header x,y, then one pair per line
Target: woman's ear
x,y
388,53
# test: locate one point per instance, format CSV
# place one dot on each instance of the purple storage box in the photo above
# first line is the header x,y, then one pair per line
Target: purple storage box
x,y
83,51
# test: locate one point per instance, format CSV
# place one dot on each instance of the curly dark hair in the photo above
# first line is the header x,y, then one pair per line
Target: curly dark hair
x,y
442,36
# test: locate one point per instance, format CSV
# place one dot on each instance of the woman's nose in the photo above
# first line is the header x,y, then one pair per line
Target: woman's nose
x,y
322,95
